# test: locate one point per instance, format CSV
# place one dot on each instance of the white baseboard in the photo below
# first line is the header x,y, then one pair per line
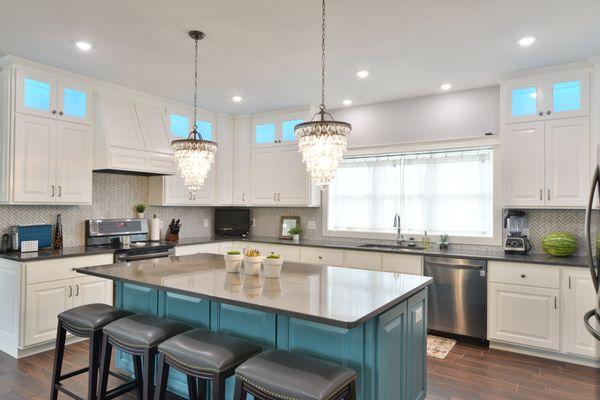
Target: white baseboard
x,y
580,360
40,348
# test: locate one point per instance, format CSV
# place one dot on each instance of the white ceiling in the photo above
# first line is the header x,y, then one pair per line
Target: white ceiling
x,y
268,50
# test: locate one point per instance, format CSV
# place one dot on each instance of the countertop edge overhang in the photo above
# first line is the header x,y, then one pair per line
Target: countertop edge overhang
x,y
327,321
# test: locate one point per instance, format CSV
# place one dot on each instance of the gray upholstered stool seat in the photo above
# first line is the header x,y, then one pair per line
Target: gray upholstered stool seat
x,y
143,331
207,351
287,375
91,317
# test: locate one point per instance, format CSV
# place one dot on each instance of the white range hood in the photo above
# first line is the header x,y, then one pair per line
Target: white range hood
x,y
131,135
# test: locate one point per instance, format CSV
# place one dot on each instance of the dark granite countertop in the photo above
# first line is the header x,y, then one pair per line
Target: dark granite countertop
x,y
332,295
491,254
45,254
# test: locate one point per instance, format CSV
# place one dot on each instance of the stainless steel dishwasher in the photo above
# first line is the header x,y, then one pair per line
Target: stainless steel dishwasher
x,y
458,296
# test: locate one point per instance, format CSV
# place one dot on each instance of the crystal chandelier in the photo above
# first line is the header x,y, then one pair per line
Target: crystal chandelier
x,y
322,141
194,155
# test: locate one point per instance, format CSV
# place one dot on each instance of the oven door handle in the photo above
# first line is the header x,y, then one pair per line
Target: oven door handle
x,y
148,256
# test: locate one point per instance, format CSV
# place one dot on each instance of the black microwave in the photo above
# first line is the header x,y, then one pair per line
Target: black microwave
x,y
232,221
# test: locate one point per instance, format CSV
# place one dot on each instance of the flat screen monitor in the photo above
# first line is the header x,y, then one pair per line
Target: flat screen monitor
x,y
232,221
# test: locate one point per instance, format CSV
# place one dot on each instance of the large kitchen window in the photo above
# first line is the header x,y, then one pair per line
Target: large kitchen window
x,y
449,192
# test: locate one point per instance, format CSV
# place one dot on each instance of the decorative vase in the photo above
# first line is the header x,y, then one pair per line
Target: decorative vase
x,y
272,267
233,262
140,215
296,238
252,265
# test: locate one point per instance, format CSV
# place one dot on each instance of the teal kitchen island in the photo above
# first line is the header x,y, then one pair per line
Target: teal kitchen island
x,y
371,321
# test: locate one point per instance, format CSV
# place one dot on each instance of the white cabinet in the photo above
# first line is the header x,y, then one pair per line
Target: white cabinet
x,y
210,248
544,97
241,161
402,263
578,297
264,176
224,161
52,161
171,191
43,303
547,163
524,315
43,94
318,255
90,290
362,260
151,118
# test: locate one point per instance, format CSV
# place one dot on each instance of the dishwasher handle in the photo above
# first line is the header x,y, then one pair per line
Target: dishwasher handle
x,y
455,266
457,263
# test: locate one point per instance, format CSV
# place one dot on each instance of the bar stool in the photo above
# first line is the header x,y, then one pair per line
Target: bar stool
x,y
203,356
279,374
84,321
138,335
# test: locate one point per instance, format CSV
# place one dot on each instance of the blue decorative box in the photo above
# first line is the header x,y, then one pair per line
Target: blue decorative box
x,y
41,233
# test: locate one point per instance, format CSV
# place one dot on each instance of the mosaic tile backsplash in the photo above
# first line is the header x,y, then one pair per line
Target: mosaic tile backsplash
x,y
114,196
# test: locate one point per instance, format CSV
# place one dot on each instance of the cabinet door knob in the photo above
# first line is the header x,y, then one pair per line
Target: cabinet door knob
x,y
53,111
541,113
522,275
548,112
60,113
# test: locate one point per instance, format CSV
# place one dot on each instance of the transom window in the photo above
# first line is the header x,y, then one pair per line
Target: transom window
x,y
445,192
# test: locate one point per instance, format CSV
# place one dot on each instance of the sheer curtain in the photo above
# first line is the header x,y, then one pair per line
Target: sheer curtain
x,y
442,192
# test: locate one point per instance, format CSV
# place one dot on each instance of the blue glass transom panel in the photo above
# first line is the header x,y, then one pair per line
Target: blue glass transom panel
x,y
179,125
37,94
288,129
265,133
205,129
74,103
524,101
566,96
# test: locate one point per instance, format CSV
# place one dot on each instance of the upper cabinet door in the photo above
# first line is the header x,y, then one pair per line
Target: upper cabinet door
x,y
224,162
154,127
567,143
36,93
73,163
119,121
241,161
264,177
35,160
568,95
74,102
524,101
523,153
176,193
293,178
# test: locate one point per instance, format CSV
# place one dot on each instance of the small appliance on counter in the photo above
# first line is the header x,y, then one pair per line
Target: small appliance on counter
x,y
516,241
232,222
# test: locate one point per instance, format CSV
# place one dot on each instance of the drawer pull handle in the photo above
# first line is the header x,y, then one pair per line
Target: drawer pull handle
x,y
522,275
555,306
320,258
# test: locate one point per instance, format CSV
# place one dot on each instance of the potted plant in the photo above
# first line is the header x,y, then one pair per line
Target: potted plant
x,y
295,231
252,262
140,208
233,261
444,242
273,264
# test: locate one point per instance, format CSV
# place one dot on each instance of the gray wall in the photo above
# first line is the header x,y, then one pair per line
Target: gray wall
x,y
468,113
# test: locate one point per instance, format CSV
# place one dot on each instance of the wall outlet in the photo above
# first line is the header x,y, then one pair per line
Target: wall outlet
x,y
526,231
205,223
252,222
311,225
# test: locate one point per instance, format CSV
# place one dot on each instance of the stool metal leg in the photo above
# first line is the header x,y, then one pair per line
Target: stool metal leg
x,y
148,371
59,352
239,393
104,367
94,358
137,368
162,377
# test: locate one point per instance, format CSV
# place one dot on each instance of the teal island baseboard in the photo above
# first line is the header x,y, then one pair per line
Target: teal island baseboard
x,y
388,351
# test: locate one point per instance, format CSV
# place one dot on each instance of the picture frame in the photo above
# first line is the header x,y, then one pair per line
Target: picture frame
x,y
286,222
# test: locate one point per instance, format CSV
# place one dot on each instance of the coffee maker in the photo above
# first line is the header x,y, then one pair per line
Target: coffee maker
x,y
516,242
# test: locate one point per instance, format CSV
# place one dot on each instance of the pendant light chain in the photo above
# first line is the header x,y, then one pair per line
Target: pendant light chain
x,y
194,131
322,106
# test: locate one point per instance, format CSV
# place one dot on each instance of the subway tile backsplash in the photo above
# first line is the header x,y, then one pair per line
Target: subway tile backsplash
x,y
115,195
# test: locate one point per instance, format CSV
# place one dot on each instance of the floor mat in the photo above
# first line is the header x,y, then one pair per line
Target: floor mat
x,y
439,347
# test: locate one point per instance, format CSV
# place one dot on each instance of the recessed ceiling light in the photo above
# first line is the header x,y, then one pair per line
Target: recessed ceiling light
x,y
363,73
526,41
237,99
85,46
446,86
347,102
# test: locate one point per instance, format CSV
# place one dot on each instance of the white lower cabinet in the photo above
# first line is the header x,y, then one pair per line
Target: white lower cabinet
x,y
89,290
524,315
578,297
402,263
362,259
317,255
211,248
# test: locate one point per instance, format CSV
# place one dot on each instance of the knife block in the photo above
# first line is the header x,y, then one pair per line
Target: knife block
x,y
172,237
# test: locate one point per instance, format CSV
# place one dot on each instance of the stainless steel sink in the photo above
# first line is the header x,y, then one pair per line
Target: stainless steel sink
x,y
390,247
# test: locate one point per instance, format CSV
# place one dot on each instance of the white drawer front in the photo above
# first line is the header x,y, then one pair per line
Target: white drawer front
x,y
315,255
362,259
403,263
211,248
289,253
62,268
524,274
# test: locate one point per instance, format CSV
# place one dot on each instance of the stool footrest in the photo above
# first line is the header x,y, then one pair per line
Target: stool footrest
x,y
73,373
118,391
66,391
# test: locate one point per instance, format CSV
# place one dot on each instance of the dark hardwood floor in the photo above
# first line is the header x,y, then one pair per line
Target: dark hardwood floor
x,y
468,372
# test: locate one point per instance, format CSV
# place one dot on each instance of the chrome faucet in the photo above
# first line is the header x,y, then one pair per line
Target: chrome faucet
x,y
398,226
